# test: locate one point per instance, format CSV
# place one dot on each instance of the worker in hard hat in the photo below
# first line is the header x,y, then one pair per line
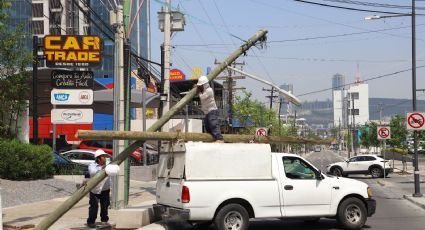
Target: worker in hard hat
x,y
209,108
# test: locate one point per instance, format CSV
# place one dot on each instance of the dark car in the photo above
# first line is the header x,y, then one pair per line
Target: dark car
x,y
65,166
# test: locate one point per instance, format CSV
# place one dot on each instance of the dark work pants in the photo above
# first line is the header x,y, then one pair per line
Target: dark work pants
x,y
103,198
212,124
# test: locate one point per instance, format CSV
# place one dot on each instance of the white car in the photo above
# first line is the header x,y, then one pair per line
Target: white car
x,y
82,156
363,164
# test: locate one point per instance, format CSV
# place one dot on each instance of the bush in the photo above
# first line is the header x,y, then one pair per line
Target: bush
x,y
20,161
397,150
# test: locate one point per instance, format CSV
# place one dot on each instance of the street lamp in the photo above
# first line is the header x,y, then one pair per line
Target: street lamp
x,y
415,143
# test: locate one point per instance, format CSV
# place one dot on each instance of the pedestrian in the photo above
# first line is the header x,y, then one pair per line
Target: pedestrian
x,y
209,108
100,193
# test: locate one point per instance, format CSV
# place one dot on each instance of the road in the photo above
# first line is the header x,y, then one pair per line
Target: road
x,y
393,211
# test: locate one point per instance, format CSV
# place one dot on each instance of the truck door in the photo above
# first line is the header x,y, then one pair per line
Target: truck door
x,y
303,194
170,176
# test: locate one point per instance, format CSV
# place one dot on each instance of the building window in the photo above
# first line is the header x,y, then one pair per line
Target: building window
x,y
353,96
355,111
37,10
38,27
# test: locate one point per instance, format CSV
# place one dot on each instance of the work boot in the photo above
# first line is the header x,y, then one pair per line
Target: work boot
x,y
91,225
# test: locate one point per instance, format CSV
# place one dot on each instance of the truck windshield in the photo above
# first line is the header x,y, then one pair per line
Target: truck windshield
x,y
296,168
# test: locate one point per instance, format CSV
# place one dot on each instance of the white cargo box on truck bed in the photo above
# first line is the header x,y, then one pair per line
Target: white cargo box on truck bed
x,y
217,161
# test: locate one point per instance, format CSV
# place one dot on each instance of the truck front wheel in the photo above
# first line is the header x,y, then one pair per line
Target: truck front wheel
x,y
232,217
352,213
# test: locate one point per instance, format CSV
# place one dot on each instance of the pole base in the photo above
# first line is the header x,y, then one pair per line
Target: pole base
x,y
417,195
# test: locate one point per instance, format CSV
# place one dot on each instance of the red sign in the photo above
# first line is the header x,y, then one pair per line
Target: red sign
x,y
177,75
384,133
261,132
415,121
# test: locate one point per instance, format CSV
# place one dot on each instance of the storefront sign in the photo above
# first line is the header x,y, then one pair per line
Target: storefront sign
x,y
72,116
62,79
196,73
71,97
177,75
72,50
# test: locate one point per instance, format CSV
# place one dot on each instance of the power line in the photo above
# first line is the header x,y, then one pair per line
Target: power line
x,y
373,4
348,8
369,79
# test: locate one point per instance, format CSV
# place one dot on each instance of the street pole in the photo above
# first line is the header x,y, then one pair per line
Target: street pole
x,y
145,160
354,128
167,53
118,91
415,144
34,90
385,146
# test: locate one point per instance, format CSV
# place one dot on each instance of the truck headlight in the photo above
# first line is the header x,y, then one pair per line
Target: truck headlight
x,y
369,192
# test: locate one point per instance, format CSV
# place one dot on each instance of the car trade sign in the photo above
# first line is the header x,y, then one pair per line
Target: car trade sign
x,y
72,50
72,116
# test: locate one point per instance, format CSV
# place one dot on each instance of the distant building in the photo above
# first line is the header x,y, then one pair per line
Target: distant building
x,y
338,81
286,106
353,101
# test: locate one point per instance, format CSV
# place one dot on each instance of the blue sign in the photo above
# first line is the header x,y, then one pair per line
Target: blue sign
x,y
61,96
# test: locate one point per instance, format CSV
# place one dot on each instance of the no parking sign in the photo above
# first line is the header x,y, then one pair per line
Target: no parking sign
x,y
384,132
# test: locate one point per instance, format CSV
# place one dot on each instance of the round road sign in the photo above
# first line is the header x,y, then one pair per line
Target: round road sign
x,y
415,120
383,132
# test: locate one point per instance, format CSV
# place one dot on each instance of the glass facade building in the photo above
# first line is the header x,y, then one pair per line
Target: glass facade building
x,y
20,16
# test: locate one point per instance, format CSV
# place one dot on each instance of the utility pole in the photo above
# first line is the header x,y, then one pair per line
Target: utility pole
x,y
354,127
119,124
165,97
349,148
271,97
230,79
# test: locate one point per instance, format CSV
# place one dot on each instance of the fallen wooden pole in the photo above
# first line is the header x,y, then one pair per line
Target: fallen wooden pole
x,y
80,193
205,137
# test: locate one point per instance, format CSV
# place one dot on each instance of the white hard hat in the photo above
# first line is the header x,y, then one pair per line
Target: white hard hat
x,y
100,153
202,80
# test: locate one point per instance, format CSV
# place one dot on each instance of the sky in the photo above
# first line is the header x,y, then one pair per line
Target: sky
x,y
306,44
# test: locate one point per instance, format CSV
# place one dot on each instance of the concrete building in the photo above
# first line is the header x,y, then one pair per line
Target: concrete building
x,y
353,101
285,106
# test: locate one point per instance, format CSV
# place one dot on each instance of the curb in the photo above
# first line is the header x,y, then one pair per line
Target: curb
x,y
413,201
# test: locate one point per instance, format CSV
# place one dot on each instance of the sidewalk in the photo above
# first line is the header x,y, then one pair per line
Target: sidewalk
x,y
28,215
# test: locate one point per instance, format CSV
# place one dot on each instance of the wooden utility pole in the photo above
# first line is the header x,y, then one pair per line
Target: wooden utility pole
x,y
205,137
80,193
230,79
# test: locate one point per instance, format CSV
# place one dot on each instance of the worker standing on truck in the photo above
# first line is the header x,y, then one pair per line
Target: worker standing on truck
x,y
209,108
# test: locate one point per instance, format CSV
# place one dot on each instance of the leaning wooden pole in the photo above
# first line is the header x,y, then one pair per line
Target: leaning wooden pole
x,y
205,137
80,193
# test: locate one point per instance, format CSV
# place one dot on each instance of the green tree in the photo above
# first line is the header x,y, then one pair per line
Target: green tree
x,y
13,77
398,131
368,136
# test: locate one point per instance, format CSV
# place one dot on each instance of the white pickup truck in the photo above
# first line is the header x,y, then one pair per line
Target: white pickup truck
x,y
228,184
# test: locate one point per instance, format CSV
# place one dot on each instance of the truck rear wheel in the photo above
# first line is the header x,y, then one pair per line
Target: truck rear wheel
x,y
232,217
352,213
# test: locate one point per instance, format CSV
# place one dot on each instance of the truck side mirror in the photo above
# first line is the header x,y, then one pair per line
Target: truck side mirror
x,y
319,175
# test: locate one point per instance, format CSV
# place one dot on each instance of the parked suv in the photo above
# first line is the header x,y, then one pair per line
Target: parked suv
x,y
136,157
363,164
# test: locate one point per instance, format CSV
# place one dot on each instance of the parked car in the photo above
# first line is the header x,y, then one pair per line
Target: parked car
x,y
81,156
363,164
317,148
63,165
136,158
230,184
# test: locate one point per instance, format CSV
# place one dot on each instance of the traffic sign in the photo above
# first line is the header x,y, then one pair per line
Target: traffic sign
x,y
384,132
261,132
415,121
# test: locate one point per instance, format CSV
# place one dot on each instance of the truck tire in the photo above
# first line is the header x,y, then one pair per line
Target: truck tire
x,y
352,213
232,217
376,172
